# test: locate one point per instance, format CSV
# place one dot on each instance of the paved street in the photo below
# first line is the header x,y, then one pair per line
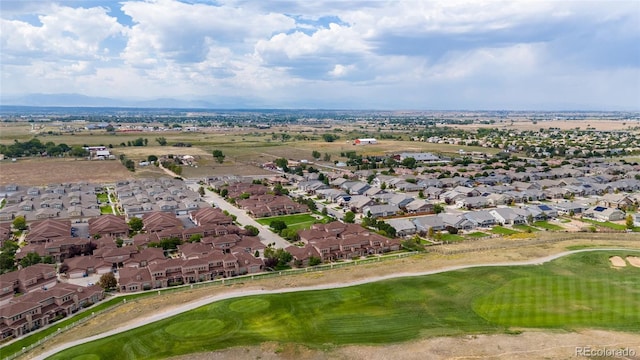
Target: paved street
x,y
266,236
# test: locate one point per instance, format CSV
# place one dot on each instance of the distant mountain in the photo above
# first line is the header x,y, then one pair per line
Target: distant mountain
x,y
77,100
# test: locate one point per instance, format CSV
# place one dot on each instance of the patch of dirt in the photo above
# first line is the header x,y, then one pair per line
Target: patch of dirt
x,y
617,261
634,261
43,171
142,308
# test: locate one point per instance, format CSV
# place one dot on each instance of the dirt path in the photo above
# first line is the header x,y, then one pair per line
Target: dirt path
x,y
174,310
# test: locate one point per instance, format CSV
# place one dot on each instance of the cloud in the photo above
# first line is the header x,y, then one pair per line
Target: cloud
x,y
171,30
395,54
62,33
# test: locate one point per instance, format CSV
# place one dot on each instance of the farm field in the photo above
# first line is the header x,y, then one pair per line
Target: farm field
x,y
40,171
571,293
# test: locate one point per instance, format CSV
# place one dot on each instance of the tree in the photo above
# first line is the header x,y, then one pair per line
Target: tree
x,y
218,155
201,191
438,208
195,238
277,259
108,281
313,261
152,158
290,234
20,223
253,231
629,221
31,258
421,194
316,154
136,224
330,137
78,151
349,217
277,225
409,163
282,163
161,140
326,157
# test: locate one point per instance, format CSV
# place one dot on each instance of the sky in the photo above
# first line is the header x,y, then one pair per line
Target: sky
x,y
404,55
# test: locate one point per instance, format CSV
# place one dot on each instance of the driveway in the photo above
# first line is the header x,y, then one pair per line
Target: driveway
x,y
266,236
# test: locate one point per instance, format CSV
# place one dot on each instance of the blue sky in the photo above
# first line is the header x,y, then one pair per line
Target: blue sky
x,y
520,55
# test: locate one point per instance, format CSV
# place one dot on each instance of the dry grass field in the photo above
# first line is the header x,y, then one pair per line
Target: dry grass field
x,y
245,149
42,171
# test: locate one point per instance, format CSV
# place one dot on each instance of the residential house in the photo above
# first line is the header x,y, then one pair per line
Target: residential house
x,y
481,218
404,227
376,211
602,213
108,224
424,223
506,216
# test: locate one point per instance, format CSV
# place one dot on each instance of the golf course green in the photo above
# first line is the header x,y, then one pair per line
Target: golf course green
x,y
574,292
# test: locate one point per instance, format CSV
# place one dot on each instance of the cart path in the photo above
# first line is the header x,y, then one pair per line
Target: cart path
x,y
241,293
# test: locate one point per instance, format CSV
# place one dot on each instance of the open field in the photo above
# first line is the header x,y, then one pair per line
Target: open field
x,y
42,171
570,293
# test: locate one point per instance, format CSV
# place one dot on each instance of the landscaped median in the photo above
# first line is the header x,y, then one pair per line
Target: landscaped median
x,y
575,292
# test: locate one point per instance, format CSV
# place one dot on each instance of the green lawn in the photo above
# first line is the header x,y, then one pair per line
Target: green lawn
x,y
575,292
525,228
547,226
610,225
501,230
296,221
102,197
106,209
451,237
477,234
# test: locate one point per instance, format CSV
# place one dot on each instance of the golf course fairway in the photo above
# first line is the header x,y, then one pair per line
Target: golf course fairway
x,y
578,291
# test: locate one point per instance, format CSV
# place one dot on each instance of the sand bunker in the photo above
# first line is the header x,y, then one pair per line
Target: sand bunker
x,y
617,261
634,261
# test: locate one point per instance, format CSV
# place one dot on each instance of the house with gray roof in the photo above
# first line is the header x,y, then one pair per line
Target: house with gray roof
x,y
506,216
603,213
403,227
481,218
458,221
570,207
376,211
424,223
